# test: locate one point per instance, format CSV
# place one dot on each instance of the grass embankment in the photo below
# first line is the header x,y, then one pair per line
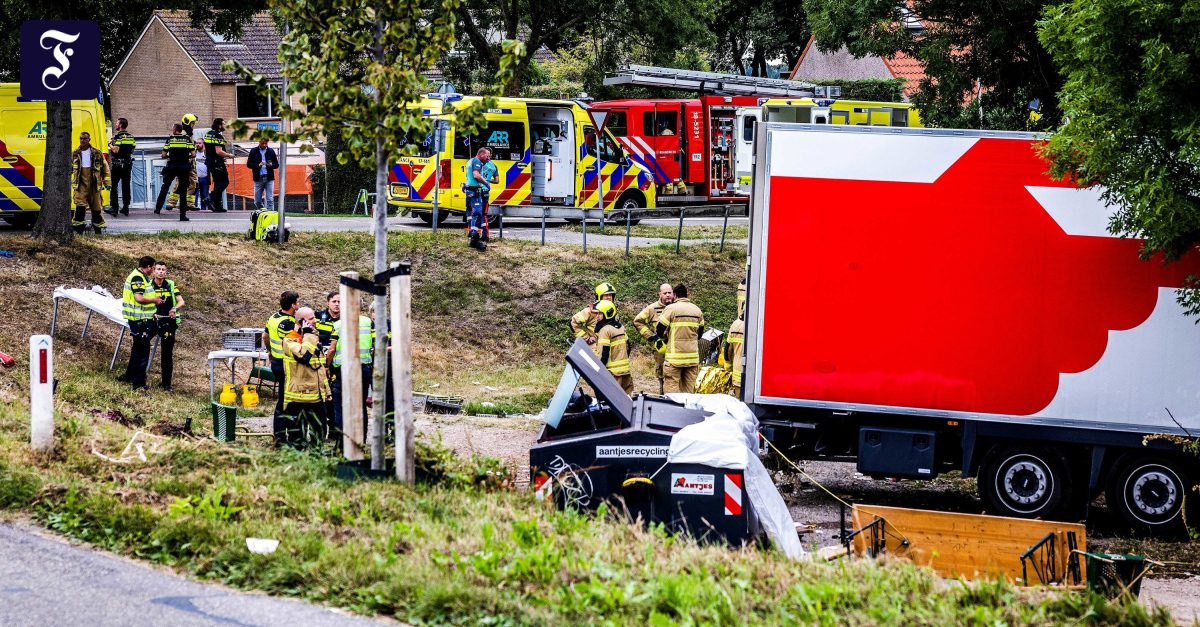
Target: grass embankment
x,y
734,233
487,327
467,550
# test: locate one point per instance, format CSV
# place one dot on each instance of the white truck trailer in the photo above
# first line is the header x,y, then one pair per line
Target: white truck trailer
x,y
924,300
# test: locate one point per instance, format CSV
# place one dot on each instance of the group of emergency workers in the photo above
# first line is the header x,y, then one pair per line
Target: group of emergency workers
x,y
151,304
672,325
91,173
306,360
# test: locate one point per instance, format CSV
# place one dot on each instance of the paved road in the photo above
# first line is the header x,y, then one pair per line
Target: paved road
x,y
144,221
45,581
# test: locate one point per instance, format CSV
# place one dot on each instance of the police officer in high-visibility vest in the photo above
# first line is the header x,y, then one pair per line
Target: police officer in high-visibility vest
x,y
278,325
613,343
138,304
734,350
646,323
335,356
180,153
216,151
327,317
166,319
121,148
681,325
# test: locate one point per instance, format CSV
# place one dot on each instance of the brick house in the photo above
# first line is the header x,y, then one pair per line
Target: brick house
x,y
174,68
815,65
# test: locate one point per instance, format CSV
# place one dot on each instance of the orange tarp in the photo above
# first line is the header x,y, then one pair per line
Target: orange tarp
x,y
241,180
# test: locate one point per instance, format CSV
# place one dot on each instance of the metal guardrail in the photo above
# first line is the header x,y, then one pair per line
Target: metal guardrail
x,y
586,216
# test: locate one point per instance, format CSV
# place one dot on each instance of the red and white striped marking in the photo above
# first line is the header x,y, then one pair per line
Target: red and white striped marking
x,y
542,486
733,494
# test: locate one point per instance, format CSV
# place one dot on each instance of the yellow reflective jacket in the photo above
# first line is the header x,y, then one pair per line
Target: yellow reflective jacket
x,y
583,324
305,379
646,321
614,347
737,332
681,323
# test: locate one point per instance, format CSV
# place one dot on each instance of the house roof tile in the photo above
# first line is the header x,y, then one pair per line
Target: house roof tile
x,y
257,48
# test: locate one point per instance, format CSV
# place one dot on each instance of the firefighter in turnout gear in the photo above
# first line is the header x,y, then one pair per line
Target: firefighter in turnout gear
x,y
89,175
215,153
306,383
681,325
646,323
734,350
613,343
138,304
121,148
166,319
278,325
180,153
583,323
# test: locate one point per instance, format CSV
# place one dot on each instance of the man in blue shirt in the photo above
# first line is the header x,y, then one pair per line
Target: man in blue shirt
x,y
481,174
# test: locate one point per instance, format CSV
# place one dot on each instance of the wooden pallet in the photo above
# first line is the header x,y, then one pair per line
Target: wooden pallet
x,y
970,546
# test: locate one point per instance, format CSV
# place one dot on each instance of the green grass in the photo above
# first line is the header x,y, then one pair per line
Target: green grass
x,y
462,548
734,233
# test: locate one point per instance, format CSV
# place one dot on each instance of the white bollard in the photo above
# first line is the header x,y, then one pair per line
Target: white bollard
x,y
41,392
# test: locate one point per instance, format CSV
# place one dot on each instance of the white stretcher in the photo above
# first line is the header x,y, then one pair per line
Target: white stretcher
x,y
97,300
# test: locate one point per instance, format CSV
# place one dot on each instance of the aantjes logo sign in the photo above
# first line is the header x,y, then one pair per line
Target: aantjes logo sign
x,y
60,60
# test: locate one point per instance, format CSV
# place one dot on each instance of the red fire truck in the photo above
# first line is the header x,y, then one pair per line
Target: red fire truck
x,y
688,145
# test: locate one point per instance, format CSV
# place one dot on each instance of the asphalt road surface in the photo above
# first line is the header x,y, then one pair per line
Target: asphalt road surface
x,y
45,581
144,221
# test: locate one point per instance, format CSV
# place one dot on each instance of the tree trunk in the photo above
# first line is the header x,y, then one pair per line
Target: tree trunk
x,y
379,380
54,220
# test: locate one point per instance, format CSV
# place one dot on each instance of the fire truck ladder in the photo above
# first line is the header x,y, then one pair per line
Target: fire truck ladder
x,y
709,82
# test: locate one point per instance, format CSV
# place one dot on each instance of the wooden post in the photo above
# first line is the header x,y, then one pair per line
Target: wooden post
x,y
401,292
352,383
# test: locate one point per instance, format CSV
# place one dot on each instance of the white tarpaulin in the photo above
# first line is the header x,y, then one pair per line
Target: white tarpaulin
x,y
729,439
96,299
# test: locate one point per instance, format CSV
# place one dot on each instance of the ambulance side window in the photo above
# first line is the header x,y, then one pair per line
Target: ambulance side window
x,y
609,152
748,128
424,143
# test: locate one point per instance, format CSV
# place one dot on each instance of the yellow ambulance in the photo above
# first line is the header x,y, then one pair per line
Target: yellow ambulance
x,y
23,149
545,152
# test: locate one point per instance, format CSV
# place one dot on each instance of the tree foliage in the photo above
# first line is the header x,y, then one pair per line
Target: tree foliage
x,y
752,33
968,48
1131,116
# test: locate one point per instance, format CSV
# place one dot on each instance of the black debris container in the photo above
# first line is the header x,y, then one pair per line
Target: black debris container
x,y
707,503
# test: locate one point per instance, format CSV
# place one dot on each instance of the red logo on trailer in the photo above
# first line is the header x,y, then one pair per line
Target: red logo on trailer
x,y
963,293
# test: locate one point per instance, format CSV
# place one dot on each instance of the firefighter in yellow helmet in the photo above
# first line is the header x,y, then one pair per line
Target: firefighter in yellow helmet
x,y
614,344
681,325
583,323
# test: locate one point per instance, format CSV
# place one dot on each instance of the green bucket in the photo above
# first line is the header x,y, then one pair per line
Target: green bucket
x,y
224,422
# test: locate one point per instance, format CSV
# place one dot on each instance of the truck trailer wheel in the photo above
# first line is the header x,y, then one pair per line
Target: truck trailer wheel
x,y
1024,481
1149,493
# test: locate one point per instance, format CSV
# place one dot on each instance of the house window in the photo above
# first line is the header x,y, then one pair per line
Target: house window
x,y
251,104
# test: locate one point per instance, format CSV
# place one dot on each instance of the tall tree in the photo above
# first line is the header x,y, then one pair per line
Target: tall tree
x,y
751,34
119,21
1131,117
969,48
359,69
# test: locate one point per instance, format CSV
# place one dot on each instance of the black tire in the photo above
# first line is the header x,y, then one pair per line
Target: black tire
x,y
427,216
1024,481
628,201
1150,492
